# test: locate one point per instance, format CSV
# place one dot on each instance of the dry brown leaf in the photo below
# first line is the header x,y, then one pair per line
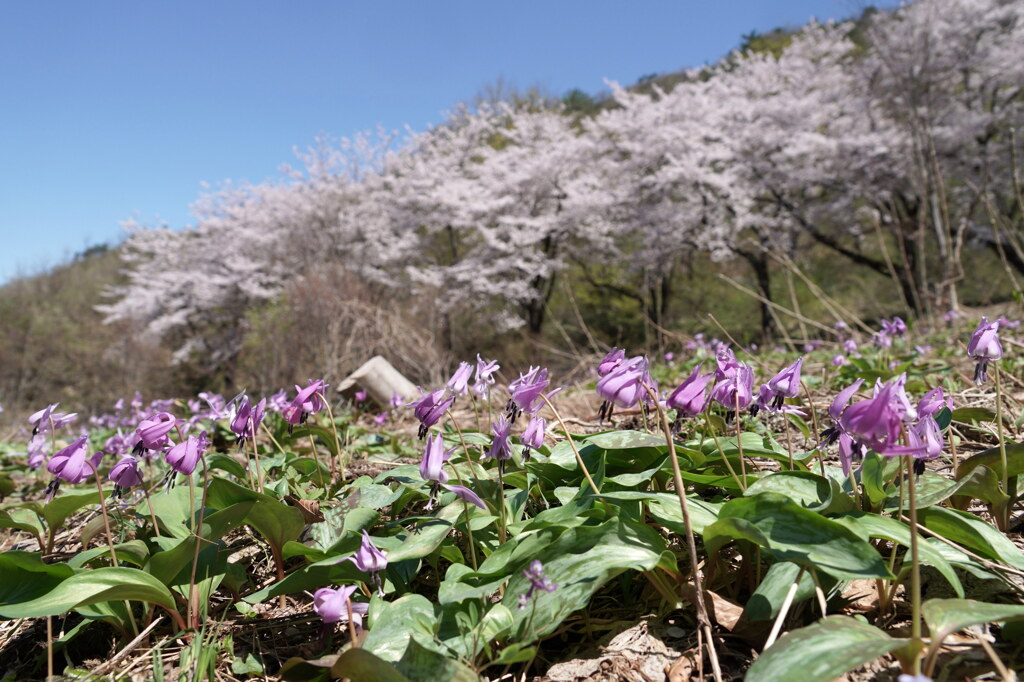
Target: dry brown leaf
x,y
310,509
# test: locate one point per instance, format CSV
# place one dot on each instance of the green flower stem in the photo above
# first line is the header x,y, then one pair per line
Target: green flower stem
x,y
728,465
197,530
1003,518
256,459
319,465
739,441
575,450
916,643
337,441
814,420
691,544
465,504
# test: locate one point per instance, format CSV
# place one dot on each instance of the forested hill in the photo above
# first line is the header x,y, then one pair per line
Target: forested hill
x,y
869,166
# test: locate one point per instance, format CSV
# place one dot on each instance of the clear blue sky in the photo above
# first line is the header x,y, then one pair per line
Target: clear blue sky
x,y
110,110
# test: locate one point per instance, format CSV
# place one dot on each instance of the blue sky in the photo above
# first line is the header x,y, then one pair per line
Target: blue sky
x,y
112,110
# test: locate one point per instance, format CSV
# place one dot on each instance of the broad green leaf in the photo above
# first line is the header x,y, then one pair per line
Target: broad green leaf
x,y
627,440
24,576
90,587
394,624
496,622
580,562
973,533
766,601
992,459
792,533
887,528
333,535
219,460
222,493
358,665
946,616
966,415
426,537
877,473
823,651
308,578
134,552
61,507
167,564
172,511
420,664
984,484
277,522
931,490
324,434
809,490
24,520
665,509
297,669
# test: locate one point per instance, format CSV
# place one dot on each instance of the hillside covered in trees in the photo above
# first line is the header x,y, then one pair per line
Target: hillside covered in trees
x,y
862,168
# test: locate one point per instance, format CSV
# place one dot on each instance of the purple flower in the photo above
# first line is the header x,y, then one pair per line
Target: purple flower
x,y
430,408
850,451
984,347
835,410
36,450
434,457
500,448
459,383
396,401
877,421
535,574
125,474
950,316
307,401
727,364
691,397
116,444
533,436
669,357
360,396
929,436
526,392
332,605
786,384
69,464
933,402
381,419
850,346
838,360
484,376
46,419
736,389
896,327
614,358
370,560
624,386
247,421
152,431
184,457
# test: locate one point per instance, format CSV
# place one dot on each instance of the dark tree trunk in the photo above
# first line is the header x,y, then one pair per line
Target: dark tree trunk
x,y
759,263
